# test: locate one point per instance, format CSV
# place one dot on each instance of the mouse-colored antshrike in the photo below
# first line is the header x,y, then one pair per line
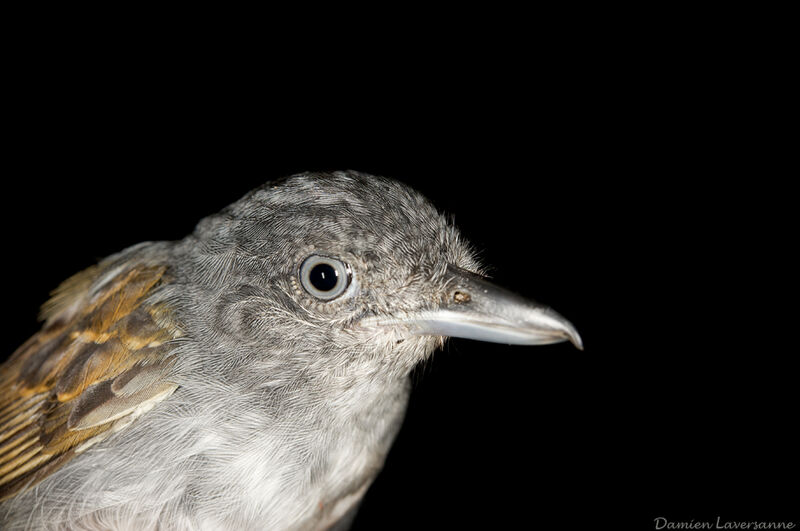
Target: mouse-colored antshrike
x,y
252,375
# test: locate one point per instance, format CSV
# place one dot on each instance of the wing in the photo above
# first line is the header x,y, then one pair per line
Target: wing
x,y
100,360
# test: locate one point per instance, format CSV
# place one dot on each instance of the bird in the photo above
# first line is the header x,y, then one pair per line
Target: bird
x,y
252,375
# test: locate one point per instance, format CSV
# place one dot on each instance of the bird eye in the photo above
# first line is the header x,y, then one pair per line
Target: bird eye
x,y
323,277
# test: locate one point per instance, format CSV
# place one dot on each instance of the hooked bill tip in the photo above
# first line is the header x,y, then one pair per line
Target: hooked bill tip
x,y
573,335
576,340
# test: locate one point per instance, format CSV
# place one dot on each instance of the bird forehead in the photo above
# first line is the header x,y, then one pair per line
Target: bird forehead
x,y
384,223
359,210
350,194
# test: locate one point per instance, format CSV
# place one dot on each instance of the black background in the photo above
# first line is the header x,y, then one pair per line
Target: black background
x,y
599,172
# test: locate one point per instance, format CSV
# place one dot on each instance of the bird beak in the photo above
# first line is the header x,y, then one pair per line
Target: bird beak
x,y
477,309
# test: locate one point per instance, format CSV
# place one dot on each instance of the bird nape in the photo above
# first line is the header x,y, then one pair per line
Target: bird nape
x,y
252,375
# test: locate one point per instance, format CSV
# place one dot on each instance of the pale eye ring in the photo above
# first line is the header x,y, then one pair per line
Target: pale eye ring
x,y
323,277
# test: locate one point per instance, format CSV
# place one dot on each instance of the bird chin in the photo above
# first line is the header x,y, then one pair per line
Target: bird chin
x,y
407,347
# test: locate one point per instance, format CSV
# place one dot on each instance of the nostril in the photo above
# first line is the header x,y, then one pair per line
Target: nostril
x,y
461,297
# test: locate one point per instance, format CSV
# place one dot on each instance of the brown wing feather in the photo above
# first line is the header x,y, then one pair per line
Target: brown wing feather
x,y
100,360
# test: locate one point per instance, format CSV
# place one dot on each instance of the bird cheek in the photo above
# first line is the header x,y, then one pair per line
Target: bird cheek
x,y
238,321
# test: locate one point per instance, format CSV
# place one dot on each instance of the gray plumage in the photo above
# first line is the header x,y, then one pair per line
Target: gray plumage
x,y
283,406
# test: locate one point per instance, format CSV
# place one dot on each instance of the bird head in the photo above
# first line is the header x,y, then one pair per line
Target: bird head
x,y
342,268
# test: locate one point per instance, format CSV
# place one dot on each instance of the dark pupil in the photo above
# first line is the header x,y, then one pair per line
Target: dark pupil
x,y
323,277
